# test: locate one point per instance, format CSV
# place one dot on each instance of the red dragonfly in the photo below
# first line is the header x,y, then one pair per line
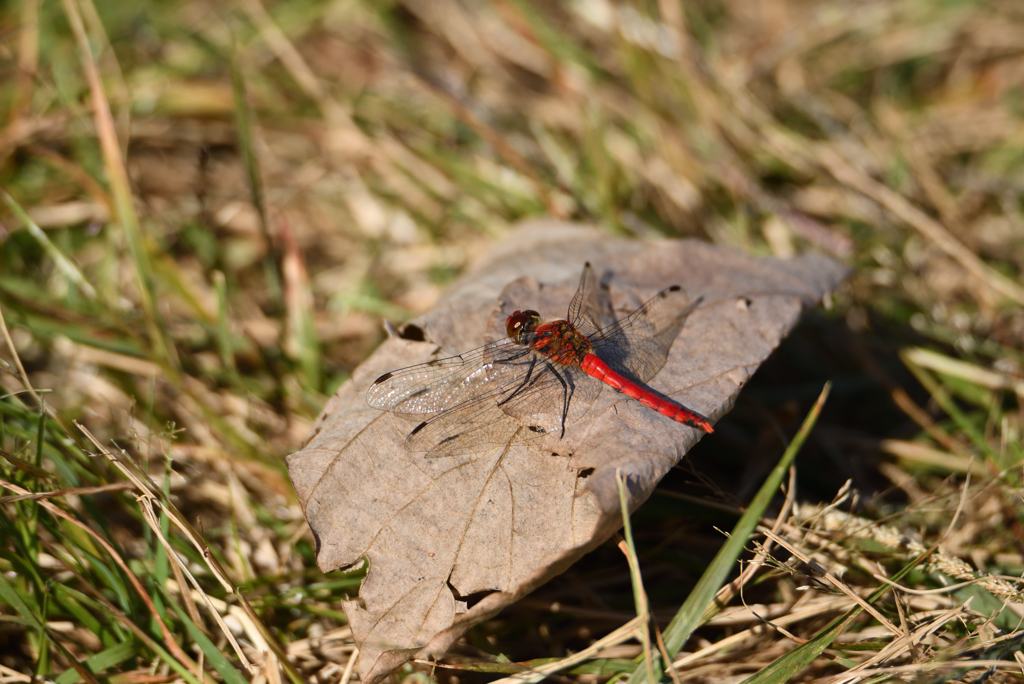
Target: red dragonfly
x,y
539,378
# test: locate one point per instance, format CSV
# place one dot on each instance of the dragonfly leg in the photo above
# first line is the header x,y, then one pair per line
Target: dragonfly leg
x,y
524,383
567,393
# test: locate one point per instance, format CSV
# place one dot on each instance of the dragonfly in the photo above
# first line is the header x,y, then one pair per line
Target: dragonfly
x,y
541,376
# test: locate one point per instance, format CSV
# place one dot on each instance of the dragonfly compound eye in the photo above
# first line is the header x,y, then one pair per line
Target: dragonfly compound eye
x,y
521,323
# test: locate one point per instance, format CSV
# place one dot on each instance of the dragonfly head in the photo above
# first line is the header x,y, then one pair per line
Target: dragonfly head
x,y
521,323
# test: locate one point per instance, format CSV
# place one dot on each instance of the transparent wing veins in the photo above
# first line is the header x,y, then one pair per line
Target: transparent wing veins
x,y
441,384
638,345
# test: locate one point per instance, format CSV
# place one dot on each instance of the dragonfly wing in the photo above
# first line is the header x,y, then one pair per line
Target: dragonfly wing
x,y
638,345
558,396
584,311
543,400
442,384
536,404
471,429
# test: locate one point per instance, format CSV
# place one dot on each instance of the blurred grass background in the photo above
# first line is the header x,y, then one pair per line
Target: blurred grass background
x,y
209,207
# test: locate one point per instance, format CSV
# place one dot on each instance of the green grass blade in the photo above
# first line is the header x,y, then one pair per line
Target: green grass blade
x,y
102,661
786,667
246,145
124,202
213,654
941,397
75,602
651,661
9,594
783,669
691,614
64,264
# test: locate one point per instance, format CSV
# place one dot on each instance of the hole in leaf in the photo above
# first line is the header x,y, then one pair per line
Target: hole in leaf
x,y
412,332
351,567
474,598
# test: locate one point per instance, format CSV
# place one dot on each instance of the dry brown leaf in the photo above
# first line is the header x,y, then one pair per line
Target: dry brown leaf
x,y
499,523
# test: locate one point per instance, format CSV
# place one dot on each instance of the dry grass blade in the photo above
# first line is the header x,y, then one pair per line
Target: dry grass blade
x,y
57,512
621,635
698,606
829,579
974,374
120,185
930,228
917,453
149,499
937,558
17,359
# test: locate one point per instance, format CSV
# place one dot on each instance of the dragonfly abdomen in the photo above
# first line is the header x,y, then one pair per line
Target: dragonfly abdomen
x,y
593,366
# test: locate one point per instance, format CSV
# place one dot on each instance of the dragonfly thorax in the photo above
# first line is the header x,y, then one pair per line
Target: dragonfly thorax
x,y
520,324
